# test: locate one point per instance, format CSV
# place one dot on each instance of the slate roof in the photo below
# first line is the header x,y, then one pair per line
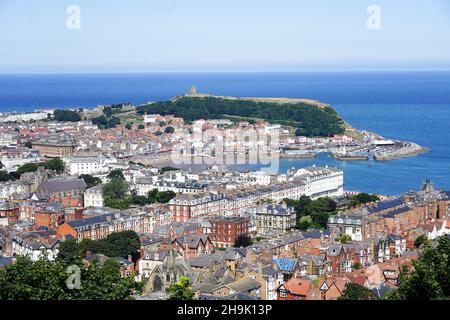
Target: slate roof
x,y
386,204
192,240
244,284
89,221
395,212
62,185
4,261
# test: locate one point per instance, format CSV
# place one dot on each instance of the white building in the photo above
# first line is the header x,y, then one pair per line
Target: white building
x,y
11,188
33,246
145,185
79,165
321,181
23,117
93,197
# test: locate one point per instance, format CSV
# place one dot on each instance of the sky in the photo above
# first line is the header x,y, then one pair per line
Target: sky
x,y
223,35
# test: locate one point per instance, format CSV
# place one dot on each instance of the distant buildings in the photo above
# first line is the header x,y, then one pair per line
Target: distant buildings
x,y
226,230
279,218
93,197
80,165
55,146
321,181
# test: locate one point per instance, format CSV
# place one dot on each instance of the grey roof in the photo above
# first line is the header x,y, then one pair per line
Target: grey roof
x,y
244,284
4,261
89,221
62,185
192,240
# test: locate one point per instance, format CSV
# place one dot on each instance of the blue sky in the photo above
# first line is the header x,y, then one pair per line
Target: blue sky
x,y
216,35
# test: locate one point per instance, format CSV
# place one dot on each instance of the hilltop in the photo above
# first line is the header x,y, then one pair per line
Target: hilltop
x,y
311,117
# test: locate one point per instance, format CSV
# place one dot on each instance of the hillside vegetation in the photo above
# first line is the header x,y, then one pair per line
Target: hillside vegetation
x,y
310,119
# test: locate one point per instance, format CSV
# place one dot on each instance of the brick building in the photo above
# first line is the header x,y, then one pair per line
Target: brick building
x,y
225,230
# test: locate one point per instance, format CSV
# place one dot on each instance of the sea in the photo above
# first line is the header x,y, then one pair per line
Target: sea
x,y
412,106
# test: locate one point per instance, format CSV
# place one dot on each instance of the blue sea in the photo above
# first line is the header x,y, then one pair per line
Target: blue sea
x,y
412,106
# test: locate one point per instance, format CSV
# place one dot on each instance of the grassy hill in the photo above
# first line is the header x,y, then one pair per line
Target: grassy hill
x,y
310,118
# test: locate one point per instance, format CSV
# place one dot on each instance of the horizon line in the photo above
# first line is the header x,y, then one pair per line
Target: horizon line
x,y
224,71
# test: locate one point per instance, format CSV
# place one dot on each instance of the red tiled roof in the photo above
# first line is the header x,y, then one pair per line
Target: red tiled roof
x,y
298,286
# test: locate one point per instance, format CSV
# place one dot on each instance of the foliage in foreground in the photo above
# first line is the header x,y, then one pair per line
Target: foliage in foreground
x,y
119,244
181,290
430,279
47,280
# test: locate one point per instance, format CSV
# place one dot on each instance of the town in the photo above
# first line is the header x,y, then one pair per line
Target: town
x,y
103,186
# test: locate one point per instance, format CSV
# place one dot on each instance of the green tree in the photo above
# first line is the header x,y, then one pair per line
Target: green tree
x,y
122,244
362,198
354,291
357,266
27,167
430,277
66,115
69,252
116,188
423,239
304,225
128,126
47,280
90,180
141,127
181,290
345,238
55,164
5,176
243,241
116,174
165,196
1,165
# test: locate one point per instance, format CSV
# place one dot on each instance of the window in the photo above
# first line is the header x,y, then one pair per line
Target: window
x,y
283,293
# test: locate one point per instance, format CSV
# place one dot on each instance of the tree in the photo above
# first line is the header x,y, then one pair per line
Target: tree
x,y
5,176
430,277
158,133
116,188
165,196
107,111
116,174
169,130
90,180
304,225
48,280
345,238
141,127
69,252
122,244
66,115
128,126
362,198
354,291
243,241
309,118
423,239
319,210
27,167
55,164
29,145
357,266
1,165
181,290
